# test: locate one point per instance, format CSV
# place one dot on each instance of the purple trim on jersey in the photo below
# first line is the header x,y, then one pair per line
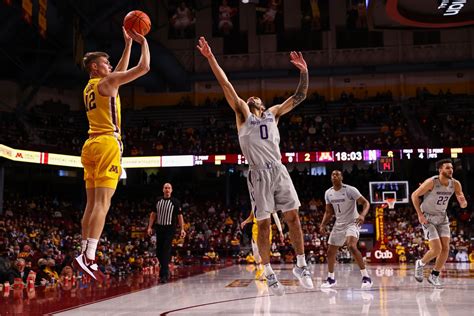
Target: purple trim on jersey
x,y
113,113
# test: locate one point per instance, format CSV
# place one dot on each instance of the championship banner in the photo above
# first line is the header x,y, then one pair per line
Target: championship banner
x,y
27,9
381,253
42,22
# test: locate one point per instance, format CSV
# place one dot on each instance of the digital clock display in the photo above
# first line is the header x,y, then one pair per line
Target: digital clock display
x,y
349,156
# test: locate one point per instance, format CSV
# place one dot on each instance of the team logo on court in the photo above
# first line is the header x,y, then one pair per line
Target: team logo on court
x,y
239,283
113,168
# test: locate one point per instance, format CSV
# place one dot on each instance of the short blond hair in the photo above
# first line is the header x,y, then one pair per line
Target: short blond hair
x,y
91,57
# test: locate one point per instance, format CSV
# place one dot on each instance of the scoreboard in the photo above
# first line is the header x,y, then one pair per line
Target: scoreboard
x,y
369,155
384,158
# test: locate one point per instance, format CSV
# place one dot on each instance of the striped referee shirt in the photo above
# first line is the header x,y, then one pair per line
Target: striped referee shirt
x,y
167,211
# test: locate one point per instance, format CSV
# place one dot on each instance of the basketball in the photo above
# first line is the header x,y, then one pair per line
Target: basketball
x,y
137,21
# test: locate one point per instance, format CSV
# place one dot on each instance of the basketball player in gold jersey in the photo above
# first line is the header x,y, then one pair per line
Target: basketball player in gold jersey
x,y
259,275
101,153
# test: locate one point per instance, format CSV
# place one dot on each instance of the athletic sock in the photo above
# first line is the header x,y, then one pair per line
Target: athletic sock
x,y
364,273
331,275
421,263
91,248
83,245
434,272
300,261
268,269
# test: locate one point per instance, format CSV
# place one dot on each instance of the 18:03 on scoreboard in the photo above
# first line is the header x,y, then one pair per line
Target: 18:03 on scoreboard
x,y
349,156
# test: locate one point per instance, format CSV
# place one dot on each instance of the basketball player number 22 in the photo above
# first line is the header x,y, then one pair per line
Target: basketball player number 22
x,y
263,131
442,200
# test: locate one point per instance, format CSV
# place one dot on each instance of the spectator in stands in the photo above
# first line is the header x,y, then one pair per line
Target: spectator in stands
x,y
42,277
5,265
461,255
19,270
226,12
183,21
471,256
268,19
50,269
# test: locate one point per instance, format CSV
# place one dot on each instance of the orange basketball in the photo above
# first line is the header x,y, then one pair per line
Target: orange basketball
x,y
138,21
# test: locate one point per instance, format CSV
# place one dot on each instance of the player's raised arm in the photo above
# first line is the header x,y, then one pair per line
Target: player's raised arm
x,y
296,58
108,86
236,103
122,65
459,194
415,198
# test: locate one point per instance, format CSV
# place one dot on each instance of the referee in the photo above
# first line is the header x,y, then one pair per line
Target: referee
x,y
168,212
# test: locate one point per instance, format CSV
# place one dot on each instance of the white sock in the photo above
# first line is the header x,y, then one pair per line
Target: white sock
x,y
331,275
91,248
421,263
300,261
364,273
268,269
256,253
83,245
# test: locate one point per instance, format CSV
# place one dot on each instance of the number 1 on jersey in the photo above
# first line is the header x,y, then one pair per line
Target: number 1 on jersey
x,y
263,131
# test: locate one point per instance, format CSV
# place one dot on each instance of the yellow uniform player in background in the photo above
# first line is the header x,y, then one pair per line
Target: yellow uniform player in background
x,y
259,275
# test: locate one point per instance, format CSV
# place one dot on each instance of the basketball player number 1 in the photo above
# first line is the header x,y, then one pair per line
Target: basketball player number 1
x,y
263,132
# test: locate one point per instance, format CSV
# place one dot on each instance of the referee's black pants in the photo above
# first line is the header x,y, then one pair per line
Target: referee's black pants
x,y
164,239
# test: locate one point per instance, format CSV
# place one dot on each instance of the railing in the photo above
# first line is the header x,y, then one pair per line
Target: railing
x,y
193,62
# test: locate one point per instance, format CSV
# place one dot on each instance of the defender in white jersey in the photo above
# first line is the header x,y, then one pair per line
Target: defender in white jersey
x,y
341,201
269,183
436,192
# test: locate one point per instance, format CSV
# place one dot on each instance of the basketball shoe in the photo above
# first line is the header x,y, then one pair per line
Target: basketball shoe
x,y
329,283
89,267
366,283
274,285
434,279
304,276
418,271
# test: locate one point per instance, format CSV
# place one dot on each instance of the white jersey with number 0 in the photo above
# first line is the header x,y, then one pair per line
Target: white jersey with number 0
x,y
259,139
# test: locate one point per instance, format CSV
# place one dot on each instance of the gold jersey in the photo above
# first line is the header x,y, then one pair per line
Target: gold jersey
x,y
103,112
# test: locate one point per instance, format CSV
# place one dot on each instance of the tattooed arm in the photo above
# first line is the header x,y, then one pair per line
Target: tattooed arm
x,y
301,91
